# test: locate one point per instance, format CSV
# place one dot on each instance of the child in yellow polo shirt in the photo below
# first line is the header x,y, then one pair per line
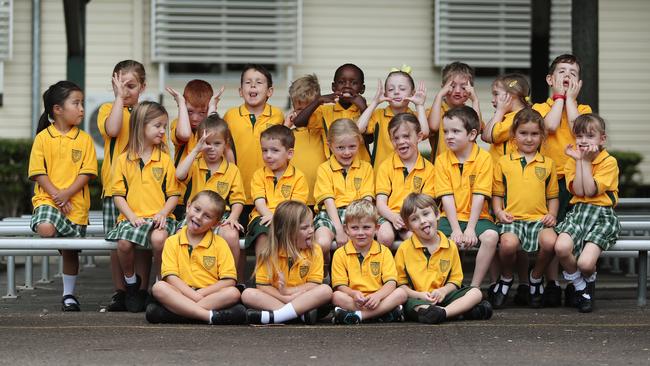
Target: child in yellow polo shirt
x,y
145,192
340,180
309,150
346,101
363,272
210,170
591,226
510,94
525,203
129,82
193,106
457,88
404,172
429,269
247,122
463,182
62,162
289,271
276,182
198,271
399,91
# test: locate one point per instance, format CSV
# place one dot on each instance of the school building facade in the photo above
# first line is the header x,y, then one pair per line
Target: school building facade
x,y
319,36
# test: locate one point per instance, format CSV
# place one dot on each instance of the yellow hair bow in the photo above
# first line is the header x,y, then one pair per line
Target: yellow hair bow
x,y
405,68
512,84
527,99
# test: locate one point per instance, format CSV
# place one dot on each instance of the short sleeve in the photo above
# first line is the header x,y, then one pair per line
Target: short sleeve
x,y
498,188
37,164
262,275
118,185
584,109
606,175
171,184
237,194
324,187
89,163
400,266
552,186
368,182
543,108
484,177
170,257
388,271
339,272
501,131
300,188
456,274
442,178
172,133
570,174
315,274
257,185
374,120
102,115
428,186
383,184
226,262
315,120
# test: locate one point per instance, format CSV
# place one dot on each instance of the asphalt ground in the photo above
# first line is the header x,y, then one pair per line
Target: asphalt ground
x,y
34,331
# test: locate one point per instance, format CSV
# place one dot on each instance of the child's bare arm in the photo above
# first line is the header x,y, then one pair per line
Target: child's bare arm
x,y
375,298
414,294
62,197
365,117
340,236
185,165
436,108
470,231
113,123
550,219
270,290
449,205
571,103
296,290
160,219
476,106
302,118
501,214
221,284
183,128
263,209
384,210
123,207
44,182
419,99
214,101
233,220
183,288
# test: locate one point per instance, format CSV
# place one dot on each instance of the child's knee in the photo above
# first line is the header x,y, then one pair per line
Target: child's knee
x,y
547,241
400,295
508,245
158,238
158,289
232,294
249,295
323,291
385,234
587,265
124,246
46,230
339,297
563,246
489,238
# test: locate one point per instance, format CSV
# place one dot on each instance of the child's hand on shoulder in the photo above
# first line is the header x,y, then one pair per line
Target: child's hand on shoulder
x,y
420,96
572,152
178,97
234,224
266,220
549,220
436,296
573,89
214,100
505,217
469,238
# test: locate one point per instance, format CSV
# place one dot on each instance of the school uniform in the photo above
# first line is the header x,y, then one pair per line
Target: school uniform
x,y
332,112
366,274
308,267
378,127
502,142
309,151
181,150
396,182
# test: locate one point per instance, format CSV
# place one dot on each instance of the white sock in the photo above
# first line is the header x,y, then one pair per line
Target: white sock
x,y
266,317
358,313
505,288
535,281
210,317
591,278
285,313
69,282
577,280
131,280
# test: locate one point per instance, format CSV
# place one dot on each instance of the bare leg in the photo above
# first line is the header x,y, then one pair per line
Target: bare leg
x,y
324,237
588,259
397,297
489,240
508,253
117,275
177,303
309,300
547,238
158,237
231,236
564,253
386,235
125,254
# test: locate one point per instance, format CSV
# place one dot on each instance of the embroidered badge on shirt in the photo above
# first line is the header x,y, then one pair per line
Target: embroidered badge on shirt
x,y
303,271
286,190
472,179
540,172
444,265
374,268
76,155
209,261
417,184
157,172
357,183
222,188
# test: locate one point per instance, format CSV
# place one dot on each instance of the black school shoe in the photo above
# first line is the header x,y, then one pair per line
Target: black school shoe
x,y
135,299
342,316
584,301
498,297
156,313
522,296
231,316
432,314
395,315
481,311
570,296
310,317
552,297
537,295
117,301
254,316
75,306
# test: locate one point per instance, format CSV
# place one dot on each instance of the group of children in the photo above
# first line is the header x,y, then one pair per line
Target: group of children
x,y
337,175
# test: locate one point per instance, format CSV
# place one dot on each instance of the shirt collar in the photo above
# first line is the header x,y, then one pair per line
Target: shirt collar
x,y
515,155
72,134
375,248
156,155
206,242
388,111
244,112
336,166
339,108
203,165
397,162
472,156
444,242
289,172
602,155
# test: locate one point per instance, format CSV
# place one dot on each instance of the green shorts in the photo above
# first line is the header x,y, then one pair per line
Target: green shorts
x,y
526,231
138,235
64,227
255,229
411,303
587,223
482,225
564,197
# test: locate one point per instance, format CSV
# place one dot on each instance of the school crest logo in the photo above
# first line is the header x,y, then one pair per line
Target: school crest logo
x,y
76,155
472,179
444,265
303,271
374,268
157,172
357,183
209,261
540,172
286,191
417,184
222,188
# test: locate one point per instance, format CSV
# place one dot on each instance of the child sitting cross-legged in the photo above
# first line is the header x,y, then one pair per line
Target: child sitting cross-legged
x,y
429,269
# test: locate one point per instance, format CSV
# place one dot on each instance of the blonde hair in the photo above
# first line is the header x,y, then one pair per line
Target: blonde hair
x,y
305,89
287,218
515,84
361,209
343,127
142,114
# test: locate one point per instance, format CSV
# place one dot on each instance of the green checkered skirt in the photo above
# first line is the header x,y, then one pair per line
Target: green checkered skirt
x,y
138,235
64,227
526,231
587,223
323,219
109,214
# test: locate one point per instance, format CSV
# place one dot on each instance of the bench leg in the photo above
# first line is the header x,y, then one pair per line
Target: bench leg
x,y
643,278
59,272
11,278
29,274
616,266
631,271
90,262
45,270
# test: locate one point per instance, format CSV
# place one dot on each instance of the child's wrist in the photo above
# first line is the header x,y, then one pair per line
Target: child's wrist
x,y
558,96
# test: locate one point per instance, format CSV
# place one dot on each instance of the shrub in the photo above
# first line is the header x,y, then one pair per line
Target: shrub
x,y
629,175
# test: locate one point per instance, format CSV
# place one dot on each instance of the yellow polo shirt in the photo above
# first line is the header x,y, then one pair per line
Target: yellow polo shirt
x,y
63,158
395,182
246,139
146,187
556,142
291,186
605,172
502,143
423,271
180,152
464,180
525,187
205,264
343,186
226,181
307,268
332,112
309,152
378,127
437,139
113,146
366,274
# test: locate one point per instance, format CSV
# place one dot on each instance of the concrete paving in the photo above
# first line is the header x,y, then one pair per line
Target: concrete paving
x,y
33,330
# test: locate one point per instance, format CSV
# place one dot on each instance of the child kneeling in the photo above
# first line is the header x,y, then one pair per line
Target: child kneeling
x,y
429,269
198,271
363,272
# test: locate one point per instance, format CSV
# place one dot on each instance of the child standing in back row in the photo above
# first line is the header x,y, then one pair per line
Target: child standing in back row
x,y
61,163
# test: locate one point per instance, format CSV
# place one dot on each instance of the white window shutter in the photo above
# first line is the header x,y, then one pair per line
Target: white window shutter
x,y
560,28
6,29
226,31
